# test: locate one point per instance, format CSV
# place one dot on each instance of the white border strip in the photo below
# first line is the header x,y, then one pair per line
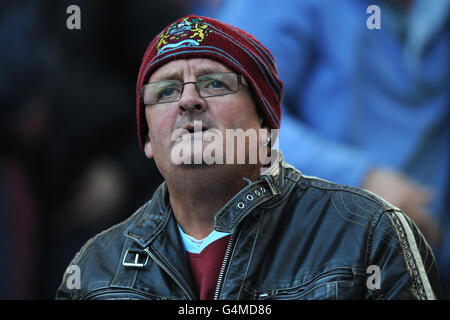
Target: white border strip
x,y
417,258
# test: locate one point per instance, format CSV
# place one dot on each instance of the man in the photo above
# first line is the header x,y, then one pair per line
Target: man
x,y
229,229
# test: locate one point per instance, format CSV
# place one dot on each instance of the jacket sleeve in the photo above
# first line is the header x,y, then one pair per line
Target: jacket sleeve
x,y
70,287
74,280
405,260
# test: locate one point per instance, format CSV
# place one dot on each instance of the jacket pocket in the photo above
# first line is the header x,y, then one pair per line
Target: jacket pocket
x,y
119,294
321,287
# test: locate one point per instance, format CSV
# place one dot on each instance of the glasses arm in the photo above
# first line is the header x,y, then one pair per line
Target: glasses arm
x,y
242,80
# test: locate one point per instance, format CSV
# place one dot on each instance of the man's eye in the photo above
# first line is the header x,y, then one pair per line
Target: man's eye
x,y
216,84
167,92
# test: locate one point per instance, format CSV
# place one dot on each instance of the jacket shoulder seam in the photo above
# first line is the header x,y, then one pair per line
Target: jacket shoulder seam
x,y
319,183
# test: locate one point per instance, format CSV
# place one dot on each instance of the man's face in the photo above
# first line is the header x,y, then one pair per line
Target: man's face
x,y
215,114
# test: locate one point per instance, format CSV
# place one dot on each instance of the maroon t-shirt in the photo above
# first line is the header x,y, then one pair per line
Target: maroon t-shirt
x,y
205,267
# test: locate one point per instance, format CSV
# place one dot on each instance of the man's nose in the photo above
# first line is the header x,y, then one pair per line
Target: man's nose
x,y
191,100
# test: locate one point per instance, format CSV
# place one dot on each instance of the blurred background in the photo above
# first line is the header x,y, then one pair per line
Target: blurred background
x,y
362,107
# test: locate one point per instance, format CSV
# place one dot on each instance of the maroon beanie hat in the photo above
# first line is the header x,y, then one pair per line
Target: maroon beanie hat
x,y
202,37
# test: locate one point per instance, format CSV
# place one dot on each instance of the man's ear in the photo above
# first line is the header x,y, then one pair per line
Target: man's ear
x,y
148,148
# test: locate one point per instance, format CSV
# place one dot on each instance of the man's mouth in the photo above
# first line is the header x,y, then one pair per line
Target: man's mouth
x,y
195,127
194,130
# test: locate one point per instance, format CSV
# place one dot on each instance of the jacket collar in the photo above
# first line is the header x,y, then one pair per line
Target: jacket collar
x,y
157,212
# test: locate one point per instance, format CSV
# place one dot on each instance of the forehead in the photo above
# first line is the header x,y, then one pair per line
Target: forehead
x,y
177,69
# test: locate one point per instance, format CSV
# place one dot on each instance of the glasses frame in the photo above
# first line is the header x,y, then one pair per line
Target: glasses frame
x,y
240,80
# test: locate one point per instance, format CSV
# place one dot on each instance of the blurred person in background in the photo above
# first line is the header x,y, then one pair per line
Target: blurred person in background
x,y
67,166
23,110
365,107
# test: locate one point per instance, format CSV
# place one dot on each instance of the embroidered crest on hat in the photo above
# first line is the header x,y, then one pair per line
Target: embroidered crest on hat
x,y
188,32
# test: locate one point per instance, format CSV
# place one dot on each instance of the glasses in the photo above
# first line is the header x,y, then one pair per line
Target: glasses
x,y
210,85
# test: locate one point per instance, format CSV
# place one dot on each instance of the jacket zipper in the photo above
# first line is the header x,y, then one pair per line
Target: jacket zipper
x,y
169,272
303,289
224,264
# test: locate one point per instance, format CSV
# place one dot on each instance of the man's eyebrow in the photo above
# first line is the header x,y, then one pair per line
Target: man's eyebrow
x,y
202,70
199,71
173,75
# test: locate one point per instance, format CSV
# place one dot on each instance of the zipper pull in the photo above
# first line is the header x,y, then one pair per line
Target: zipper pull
x,y
267,295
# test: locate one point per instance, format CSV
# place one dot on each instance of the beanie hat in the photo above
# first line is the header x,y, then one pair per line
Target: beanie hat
x,y
203,37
